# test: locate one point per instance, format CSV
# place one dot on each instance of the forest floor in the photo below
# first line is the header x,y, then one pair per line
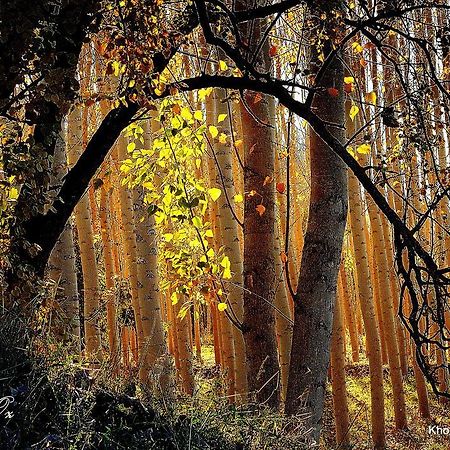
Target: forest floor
x,y
416,437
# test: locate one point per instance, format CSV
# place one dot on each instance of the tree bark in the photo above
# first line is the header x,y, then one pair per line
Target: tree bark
x,y
61,268
259,264
340,404
86,242
317,283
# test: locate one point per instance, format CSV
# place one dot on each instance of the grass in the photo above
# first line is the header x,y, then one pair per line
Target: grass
x,y
58,405
416,437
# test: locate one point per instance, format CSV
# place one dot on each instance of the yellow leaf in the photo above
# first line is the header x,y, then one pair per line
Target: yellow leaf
x,y
131,146
183,311
221,118
223,138
168,237
261,209
364,149
349,80
13,193
203,93
238,143
197,222
238,198
213,131
209,233
116,67
371,97
198,115
222,307
223,65
186,114
125,168
174,298
214,193
225,262
176,123
210,253
354,110
357,47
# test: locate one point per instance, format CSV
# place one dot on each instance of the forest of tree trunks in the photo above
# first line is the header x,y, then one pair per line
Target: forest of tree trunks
x,y
225,225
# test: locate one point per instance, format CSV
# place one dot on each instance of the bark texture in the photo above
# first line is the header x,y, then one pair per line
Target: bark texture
x,y
315,298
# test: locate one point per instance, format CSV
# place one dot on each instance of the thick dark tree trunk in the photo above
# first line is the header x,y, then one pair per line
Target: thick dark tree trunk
x,y
315,298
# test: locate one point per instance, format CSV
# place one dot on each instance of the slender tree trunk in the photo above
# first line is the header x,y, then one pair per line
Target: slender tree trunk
x,y
340,405
230,237
350,315
386,303
367,304
106,232
86,243
367,307
129,241
61,267
154,347
226,328
317,283
184,350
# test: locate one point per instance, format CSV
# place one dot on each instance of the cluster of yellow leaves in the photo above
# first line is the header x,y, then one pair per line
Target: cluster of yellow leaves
x,y
178,198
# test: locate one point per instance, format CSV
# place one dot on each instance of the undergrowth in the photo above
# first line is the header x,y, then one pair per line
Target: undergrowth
x,y
59,402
